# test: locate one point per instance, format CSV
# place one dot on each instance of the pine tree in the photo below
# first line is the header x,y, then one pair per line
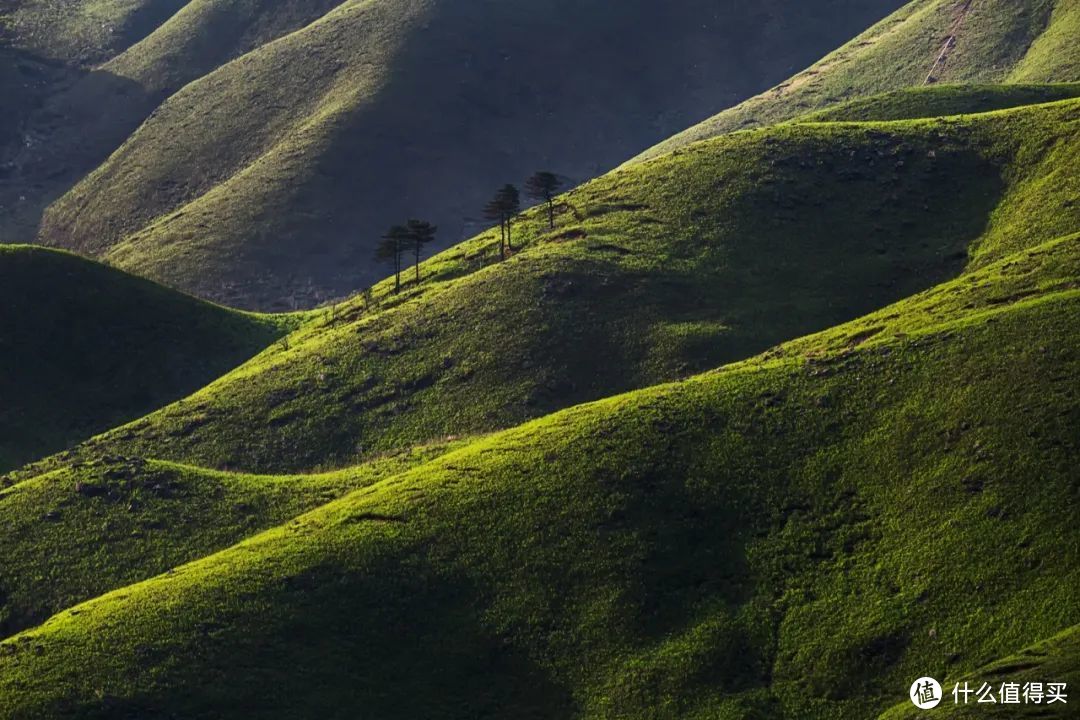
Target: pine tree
x,y
421,233
492,211
509,202
390,249
543,186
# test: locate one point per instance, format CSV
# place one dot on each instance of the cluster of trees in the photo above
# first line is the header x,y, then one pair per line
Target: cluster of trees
x,y
399,240
542,187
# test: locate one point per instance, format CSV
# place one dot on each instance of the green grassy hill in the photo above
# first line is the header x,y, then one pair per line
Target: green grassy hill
x,y
279,156
655,272
796,536
84,348
91,527
767,427
941,100
999,41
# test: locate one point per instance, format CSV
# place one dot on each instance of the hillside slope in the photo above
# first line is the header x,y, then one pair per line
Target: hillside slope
x,y
131,347
87,74
82,32
91,527
943,41
942,100
655,272
267,178
796,536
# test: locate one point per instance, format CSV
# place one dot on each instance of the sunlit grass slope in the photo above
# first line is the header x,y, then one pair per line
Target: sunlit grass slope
x,y
84,348
82,32
206,34
995,41
91,527
654,272
796,536
940,100
269,176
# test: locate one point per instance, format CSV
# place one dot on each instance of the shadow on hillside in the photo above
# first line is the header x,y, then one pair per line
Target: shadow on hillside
x,y
63,122
398,640
571,90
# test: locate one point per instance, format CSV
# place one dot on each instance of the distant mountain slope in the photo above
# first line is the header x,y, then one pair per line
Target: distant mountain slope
x,y
655,272
951,41
797,536
267,178
98,74
83,32
84,347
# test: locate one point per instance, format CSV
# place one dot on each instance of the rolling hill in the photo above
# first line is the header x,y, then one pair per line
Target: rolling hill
x,y
764,428
937,41
131,347
135,517
797,535
654,272
281,137
93,526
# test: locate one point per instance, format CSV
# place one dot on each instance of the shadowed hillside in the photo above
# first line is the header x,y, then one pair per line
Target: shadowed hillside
x,y
264,181
655,272
97,70
84,348
936,41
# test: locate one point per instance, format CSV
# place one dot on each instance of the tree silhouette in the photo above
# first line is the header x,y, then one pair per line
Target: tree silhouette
x,y
543,186
421,233
390,249
504,207
509,200
493,211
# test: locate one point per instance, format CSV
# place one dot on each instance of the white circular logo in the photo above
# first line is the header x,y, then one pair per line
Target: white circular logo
x,y
925,693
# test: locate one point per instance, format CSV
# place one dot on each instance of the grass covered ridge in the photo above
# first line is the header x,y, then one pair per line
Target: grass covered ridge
x,y
995,41
941,100
794,536
692,260
129,347
91,527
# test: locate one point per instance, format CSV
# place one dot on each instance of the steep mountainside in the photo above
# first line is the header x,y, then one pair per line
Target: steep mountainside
x,y
845,498
267,178
654,272
84,348
927,41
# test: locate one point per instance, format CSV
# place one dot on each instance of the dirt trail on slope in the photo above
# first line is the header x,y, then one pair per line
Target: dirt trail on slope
x,y
950,41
